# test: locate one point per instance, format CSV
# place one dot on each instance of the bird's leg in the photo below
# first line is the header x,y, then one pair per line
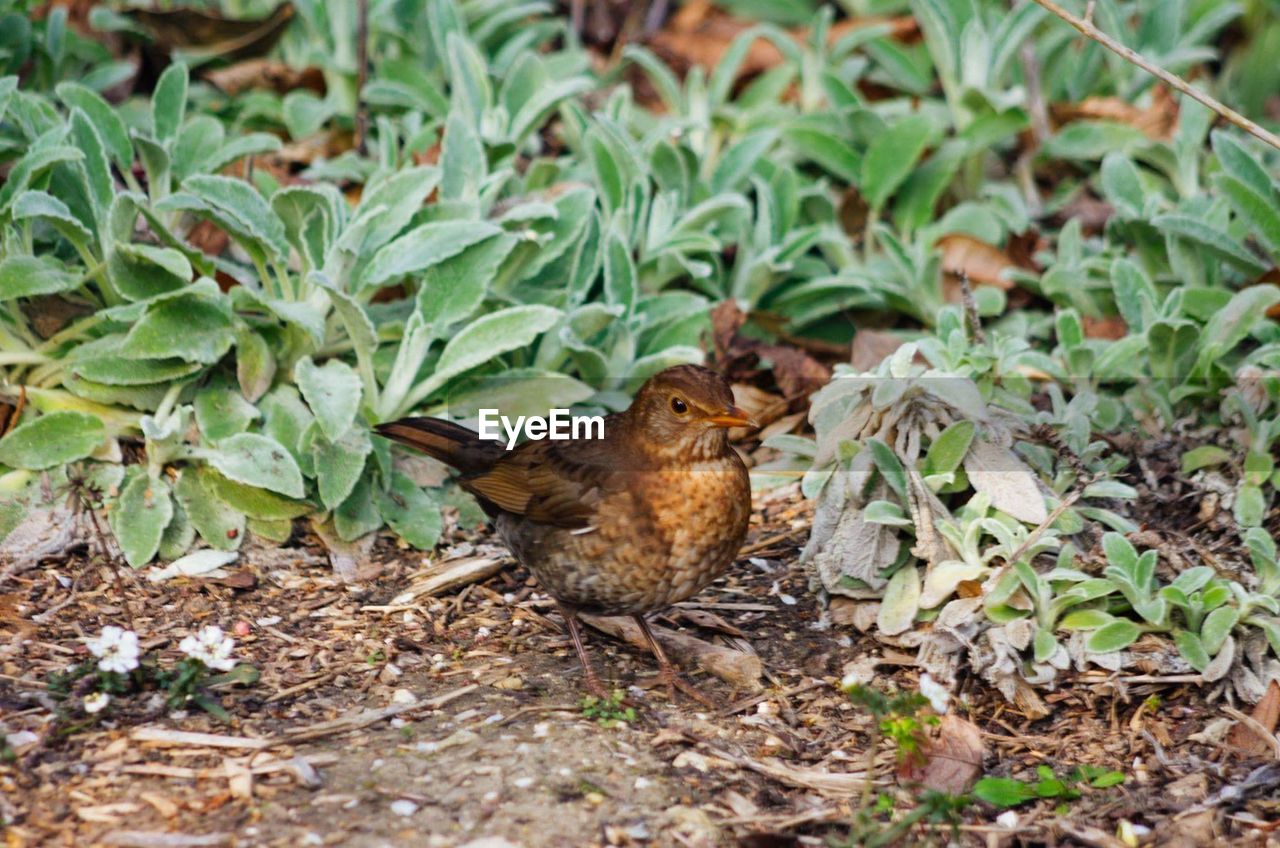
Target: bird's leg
x,y
594,686
667,672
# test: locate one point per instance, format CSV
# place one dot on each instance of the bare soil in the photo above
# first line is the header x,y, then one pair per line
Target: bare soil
x,y
492,742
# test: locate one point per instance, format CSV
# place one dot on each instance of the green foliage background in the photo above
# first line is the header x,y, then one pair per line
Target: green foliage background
x,y
570,242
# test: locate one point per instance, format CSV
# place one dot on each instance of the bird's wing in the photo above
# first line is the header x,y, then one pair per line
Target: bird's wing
x,y
547,482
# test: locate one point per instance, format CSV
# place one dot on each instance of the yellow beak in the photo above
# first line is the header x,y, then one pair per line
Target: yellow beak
x,y
732,417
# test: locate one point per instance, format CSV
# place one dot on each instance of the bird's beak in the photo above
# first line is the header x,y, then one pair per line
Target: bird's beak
x,y
732,417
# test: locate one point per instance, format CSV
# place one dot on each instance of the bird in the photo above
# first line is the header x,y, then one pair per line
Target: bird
x,y
629,523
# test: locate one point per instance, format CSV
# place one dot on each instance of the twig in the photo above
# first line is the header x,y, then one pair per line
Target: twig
x,y
1260,730
362,71
1087,29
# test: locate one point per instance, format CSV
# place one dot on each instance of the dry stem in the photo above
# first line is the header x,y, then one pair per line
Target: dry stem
x,y
1086,27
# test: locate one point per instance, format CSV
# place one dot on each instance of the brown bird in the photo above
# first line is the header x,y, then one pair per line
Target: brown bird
x,y
626,524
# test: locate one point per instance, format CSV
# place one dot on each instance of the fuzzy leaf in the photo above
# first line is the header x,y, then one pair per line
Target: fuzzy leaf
x,y
259,461
332,391
1117,635
140,515
217,523
411,512
51,440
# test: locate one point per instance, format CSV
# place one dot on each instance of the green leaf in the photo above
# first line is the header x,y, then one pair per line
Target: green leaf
x,y
333,393
1204,456
1232,323
1093,140
235,206
890,466
257,460
339,465
111,128
1085,619
411,512
901,601
217,523
358,514
51,440
948,450
27,276
1115,636
1221,245
423,247
463,164
891,158
44,206
1122,185
252,501
1251,506
1217,627
454,289
1260,212
277,530
139,517
255,364
1003,791
489,337
221,411
827,149
620,283
169,102
1191,649
141,271
188,328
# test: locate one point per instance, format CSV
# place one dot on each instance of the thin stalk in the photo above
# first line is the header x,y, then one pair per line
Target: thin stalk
x,y
24,358
1086,28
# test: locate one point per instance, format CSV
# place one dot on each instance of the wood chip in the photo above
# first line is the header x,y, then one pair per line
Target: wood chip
x,y
160,736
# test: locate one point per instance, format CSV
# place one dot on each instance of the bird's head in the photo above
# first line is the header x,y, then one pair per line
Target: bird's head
x,y
686,411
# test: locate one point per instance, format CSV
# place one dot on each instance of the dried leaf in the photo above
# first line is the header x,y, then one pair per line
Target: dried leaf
x,y
1266,713
1009,482
983,263
953,760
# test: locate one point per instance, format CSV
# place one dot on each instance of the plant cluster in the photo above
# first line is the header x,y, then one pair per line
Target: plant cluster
x,y
118,669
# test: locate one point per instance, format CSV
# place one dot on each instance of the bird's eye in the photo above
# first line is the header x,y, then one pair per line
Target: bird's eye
x,y
679,406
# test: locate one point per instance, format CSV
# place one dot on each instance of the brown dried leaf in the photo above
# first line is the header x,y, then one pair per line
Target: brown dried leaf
x,y
268,74
199,34
1112,327
953,759
871,347
982,262
1157,121
1266,713
697,36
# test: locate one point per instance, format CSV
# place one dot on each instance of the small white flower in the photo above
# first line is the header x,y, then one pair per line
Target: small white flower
x,y
116,649
96,702
937,694
211,646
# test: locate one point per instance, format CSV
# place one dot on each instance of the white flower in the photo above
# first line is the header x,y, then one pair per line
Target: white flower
x,y
211,646
96,702
937,694
116,649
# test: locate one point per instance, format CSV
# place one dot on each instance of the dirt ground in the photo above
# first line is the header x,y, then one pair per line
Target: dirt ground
x,y
456,721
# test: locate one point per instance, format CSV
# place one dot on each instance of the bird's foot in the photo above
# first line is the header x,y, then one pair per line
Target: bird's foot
x,y
671,680
595,688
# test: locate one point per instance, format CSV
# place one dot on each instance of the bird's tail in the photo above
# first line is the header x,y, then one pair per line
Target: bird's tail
x,y
450,443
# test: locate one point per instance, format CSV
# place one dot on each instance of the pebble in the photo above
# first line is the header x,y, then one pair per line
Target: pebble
x,y
403,807
522,782
403,696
